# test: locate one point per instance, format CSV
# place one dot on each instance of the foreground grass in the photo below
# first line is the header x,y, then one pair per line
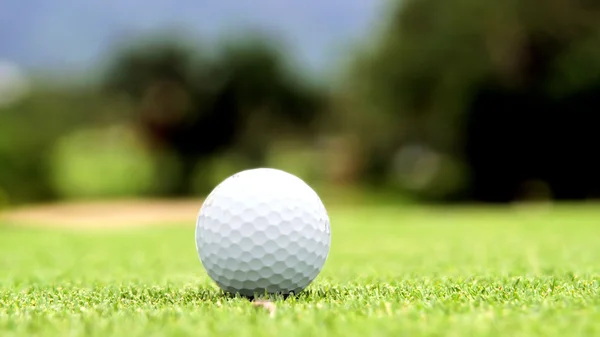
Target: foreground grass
x,y
392,271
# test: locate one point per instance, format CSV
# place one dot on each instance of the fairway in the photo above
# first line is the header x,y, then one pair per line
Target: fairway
x,y
401,271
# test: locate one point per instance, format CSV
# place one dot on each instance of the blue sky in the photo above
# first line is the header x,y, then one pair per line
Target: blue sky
x,y
67,34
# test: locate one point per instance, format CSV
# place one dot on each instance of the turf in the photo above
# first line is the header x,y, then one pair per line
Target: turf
x,y
391,272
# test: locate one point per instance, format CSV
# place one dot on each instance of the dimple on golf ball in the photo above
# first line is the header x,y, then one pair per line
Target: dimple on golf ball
x,y
263,231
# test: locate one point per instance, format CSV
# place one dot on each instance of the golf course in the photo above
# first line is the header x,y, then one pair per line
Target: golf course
x,y
392,271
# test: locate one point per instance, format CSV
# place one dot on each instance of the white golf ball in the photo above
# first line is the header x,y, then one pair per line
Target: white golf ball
x,y
263,231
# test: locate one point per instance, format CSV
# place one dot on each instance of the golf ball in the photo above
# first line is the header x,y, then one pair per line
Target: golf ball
x,y
263,231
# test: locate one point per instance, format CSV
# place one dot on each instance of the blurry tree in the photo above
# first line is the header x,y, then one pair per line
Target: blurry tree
x,y
500,92
266,97
101,162
194,107
28,130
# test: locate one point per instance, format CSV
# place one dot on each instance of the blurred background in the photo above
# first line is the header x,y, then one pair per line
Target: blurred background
x,y
435,101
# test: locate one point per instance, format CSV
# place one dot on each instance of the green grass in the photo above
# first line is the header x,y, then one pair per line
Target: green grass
x,y
391,272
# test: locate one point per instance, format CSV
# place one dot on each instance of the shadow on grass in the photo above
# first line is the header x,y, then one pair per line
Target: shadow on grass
x,y
210,294
307,295
172,295
257,297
